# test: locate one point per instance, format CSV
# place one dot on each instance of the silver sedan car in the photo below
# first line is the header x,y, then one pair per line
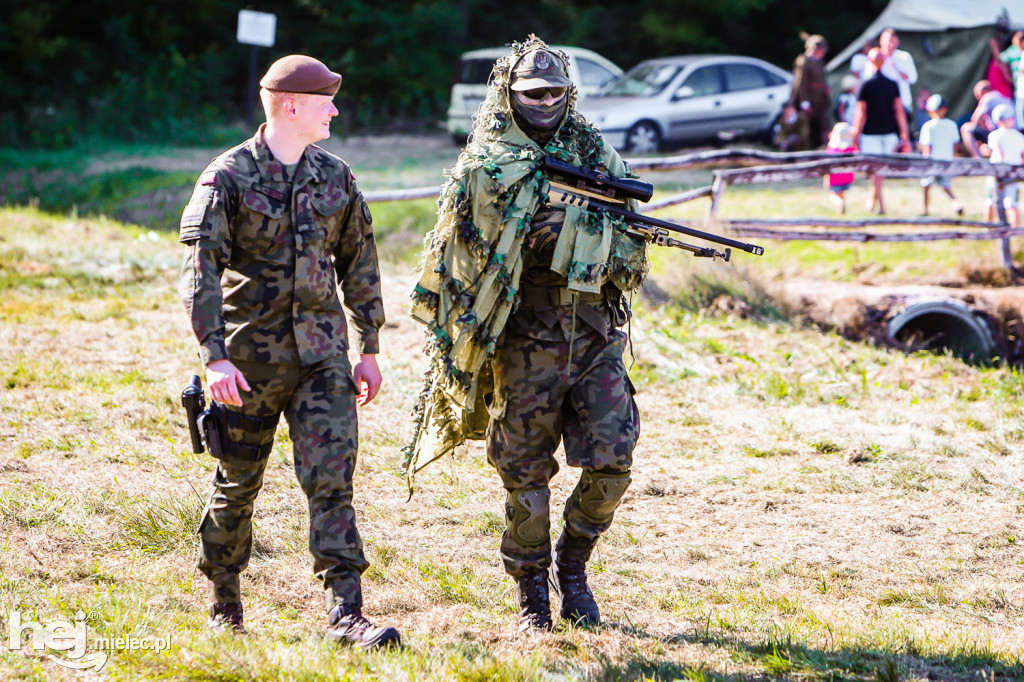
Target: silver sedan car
x,y
672,100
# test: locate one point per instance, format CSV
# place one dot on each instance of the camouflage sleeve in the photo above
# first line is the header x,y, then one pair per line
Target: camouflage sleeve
x,y
358,272
206,235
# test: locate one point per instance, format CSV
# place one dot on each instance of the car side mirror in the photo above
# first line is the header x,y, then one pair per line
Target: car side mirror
x,y
685,92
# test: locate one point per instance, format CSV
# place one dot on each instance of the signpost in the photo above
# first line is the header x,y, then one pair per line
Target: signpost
x,y
256,29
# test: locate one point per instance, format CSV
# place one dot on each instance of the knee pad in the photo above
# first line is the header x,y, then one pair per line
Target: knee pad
x,y
599,494
527,516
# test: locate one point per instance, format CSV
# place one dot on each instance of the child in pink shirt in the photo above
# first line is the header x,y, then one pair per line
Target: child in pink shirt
x,y
840,141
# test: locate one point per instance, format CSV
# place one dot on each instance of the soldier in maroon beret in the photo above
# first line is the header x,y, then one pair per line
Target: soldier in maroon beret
x,y
275,227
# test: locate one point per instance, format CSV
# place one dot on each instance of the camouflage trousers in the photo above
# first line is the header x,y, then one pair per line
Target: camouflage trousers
x,y
547,391
319,404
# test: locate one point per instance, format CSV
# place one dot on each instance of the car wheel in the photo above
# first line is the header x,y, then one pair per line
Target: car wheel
x,y
643,138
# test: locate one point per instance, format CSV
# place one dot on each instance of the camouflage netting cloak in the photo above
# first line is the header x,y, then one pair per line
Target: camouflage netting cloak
x,y
473,259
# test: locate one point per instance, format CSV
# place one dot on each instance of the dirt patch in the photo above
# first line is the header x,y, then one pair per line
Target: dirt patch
x,y
865,312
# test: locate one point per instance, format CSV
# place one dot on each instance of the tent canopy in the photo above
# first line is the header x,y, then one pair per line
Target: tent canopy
x,y
948,40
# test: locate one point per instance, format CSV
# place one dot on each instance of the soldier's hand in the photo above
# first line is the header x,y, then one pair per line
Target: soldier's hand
x,y
367,377
224,380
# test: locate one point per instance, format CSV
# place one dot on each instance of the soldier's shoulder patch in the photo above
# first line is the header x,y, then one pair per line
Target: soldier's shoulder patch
x,y
208,178
366,211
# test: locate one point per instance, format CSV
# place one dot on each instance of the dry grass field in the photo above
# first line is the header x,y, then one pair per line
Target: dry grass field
x,y
804,507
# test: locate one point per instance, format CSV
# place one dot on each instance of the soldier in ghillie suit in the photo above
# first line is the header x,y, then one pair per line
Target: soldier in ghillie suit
x,y
274,227
523,301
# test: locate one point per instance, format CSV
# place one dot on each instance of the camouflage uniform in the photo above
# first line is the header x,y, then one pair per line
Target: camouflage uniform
x,y
809,85
267,252
559,375
523,301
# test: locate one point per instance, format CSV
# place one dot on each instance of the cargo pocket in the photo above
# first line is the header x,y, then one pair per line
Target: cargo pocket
x,y
258,228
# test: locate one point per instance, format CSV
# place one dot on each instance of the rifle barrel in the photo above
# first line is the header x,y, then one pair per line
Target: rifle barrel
x,y
568,198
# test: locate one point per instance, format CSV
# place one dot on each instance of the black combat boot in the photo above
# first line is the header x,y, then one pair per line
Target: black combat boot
x,y
347,625
571,556
226,617
535,613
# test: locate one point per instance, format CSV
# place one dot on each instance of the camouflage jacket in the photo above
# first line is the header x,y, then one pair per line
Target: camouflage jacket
x,y
266,255
809,84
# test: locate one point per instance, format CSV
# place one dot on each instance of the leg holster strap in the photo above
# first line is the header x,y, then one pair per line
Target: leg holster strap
x,y
245,422
226,419
251,453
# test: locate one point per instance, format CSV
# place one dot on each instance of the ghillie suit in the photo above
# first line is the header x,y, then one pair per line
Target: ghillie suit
x,y
471,268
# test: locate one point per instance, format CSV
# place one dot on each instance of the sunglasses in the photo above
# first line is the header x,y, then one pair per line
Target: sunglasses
x,y
536,95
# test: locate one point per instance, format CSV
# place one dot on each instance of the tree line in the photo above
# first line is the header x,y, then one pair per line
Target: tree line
x,y
168,70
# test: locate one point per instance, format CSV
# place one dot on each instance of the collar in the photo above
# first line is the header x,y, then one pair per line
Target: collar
x,y
272,170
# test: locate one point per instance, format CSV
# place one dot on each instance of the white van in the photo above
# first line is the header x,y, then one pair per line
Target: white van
x,y
588,70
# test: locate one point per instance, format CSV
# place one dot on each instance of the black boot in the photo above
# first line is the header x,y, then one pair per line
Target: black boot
x,y
535,613
226,617
347,625
571,555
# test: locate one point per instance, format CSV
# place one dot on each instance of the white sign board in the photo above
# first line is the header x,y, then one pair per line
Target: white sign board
x,y
256,28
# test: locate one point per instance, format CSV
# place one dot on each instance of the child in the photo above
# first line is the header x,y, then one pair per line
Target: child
x,y
840,141
938,140
846,103
921,108
794,133
1005,145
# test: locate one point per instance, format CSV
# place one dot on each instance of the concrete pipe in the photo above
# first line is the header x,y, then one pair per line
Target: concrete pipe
x,y
938,324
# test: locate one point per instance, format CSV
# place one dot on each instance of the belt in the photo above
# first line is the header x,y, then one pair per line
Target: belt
x,y
557,296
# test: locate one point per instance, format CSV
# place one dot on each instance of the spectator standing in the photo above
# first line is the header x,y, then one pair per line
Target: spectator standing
x,y
1005,145
840,141
998,72
897,65
920,108
859,61
810,92
976,130
938,140
880,125
846,103
1011,57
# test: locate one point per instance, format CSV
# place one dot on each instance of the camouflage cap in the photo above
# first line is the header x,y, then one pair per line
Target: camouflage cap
x,y
539,69
301,74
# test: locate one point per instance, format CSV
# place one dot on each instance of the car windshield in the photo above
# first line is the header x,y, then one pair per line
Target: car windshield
x,y
643,80
473,71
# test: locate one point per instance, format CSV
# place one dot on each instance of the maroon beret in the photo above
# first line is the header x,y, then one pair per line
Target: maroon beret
x,y
301,74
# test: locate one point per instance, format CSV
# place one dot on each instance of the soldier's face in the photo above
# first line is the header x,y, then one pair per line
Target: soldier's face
x,y
313,114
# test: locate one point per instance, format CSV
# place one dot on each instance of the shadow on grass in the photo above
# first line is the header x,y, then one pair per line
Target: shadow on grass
x,y
782,658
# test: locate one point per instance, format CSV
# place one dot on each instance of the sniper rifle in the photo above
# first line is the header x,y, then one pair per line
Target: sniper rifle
x,y
596,191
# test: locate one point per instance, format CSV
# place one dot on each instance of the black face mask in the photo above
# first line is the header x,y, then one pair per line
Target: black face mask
x,y
539,118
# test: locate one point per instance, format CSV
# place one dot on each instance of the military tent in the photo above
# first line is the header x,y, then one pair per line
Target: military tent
x,y
948,40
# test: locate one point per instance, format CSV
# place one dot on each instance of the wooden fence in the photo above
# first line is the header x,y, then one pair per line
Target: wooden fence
x,y
768,167
749,166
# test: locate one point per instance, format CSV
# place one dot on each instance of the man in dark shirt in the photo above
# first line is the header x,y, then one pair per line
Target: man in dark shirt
x,y
880,123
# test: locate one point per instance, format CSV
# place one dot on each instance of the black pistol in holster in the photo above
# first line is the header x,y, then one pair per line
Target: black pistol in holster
x,y
204,425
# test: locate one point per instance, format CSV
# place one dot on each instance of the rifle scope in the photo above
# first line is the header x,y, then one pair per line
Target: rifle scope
x,y
627,187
